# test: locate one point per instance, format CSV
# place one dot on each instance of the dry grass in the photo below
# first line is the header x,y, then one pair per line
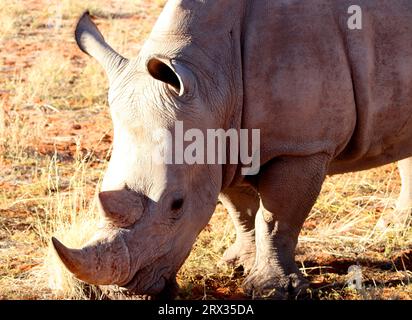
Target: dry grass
x,y
54,142
358,209
10,13
68,215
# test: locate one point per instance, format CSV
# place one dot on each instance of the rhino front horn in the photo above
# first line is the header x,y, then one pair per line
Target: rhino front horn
x,y
100,263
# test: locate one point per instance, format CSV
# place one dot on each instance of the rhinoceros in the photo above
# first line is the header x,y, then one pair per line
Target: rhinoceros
x,y
327,99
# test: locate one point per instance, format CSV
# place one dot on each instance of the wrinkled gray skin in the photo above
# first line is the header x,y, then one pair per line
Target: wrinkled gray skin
x,y
326,99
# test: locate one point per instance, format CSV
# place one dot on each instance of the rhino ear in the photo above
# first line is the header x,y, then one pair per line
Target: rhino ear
x,y
91,41
171,72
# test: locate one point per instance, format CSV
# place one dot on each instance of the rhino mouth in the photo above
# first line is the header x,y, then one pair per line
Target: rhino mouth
x,y
148,282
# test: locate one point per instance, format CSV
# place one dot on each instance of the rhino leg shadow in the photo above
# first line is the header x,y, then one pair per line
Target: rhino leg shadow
x,y
242,204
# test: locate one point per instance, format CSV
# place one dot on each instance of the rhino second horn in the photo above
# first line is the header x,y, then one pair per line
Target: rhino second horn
x,y
121,207
91,41
99,263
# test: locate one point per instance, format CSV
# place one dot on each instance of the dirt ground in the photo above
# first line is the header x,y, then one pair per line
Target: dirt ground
x,y
55,142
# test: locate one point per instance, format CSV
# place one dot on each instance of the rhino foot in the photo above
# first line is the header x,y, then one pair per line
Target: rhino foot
x,y
270,284
240,254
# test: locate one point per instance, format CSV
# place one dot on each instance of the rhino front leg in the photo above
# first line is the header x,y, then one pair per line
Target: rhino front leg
x,y
288,188
242,204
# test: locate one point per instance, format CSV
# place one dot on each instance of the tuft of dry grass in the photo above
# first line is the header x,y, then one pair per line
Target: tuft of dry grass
x,y
71,216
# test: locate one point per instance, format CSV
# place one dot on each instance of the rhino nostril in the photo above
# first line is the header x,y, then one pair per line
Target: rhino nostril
x,y
177,204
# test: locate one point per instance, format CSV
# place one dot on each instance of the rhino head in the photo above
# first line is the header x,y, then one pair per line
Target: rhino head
x,y
153,211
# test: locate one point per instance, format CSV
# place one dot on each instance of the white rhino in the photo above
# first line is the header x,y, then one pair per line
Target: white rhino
x,y
327,100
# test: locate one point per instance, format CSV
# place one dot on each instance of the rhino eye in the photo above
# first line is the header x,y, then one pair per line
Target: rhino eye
x,y
177,204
